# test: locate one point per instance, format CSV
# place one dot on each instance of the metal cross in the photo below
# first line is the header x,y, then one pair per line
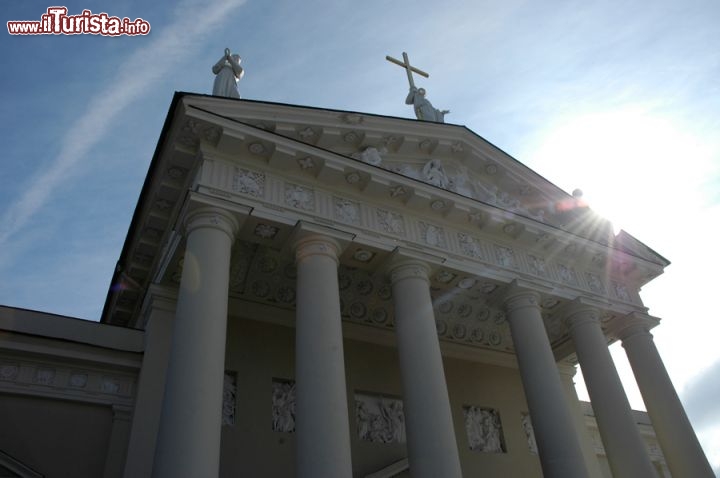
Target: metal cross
x,y
410,69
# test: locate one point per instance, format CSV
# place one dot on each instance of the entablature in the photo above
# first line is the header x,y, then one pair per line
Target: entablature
x,y
371,177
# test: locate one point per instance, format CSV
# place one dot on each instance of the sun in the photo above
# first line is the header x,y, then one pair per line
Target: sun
x,y
627,162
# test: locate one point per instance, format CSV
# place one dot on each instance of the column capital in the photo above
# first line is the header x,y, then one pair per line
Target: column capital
x,y
401,269
122,412
517,297
579,313
635,324
316,244
212,217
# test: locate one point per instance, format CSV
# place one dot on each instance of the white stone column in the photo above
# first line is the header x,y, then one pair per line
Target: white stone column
x,y
160,307
682,450
558,445
626,451
432,447
189,434
117,447
322,426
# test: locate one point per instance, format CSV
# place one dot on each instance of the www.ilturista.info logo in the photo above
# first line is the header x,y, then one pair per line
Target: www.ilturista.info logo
x,y
57,22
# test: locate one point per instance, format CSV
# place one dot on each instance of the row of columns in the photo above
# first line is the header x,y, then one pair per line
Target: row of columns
x,y
188,443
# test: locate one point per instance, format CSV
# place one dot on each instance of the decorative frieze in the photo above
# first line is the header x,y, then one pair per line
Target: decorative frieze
x,y
390,222
621,291
299,197
110,385
432,235
505,257
537,266
248,182
595,283
566,274
78,380
470,246
45,376
9,372
512,257
30,377
346,211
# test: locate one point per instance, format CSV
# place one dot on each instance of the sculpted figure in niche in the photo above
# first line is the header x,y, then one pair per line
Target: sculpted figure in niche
x,y
434,173
227,73
424,110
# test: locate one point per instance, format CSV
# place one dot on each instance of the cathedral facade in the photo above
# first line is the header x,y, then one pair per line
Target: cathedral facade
x,y
317,293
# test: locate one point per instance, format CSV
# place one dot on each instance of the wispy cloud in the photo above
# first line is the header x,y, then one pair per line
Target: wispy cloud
x,y
141,70
701,397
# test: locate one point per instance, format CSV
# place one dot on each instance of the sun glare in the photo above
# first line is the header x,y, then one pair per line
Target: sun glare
x,y
626,162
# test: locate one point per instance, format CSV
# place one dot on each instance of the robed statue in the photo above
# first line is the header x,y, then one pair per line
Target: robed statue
x,y
227,74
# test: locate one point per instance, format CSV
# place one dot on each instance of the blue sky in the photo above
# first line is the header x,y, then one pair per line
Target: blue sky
x,y
619,98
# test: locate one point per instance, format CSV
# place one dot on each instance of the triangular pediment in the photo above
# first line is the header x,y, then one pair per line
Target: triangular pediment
x,y
627,243
465,163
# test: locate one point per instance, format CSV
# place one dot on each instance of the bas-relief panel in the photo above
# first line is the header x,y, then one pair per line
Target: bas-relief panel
x,y
283,406
483,429
229,404
529,433
379,419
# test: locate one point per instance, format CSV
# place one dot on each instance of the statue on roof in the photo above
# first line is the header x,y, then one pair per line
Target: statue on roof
x,y
227,73
424,110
